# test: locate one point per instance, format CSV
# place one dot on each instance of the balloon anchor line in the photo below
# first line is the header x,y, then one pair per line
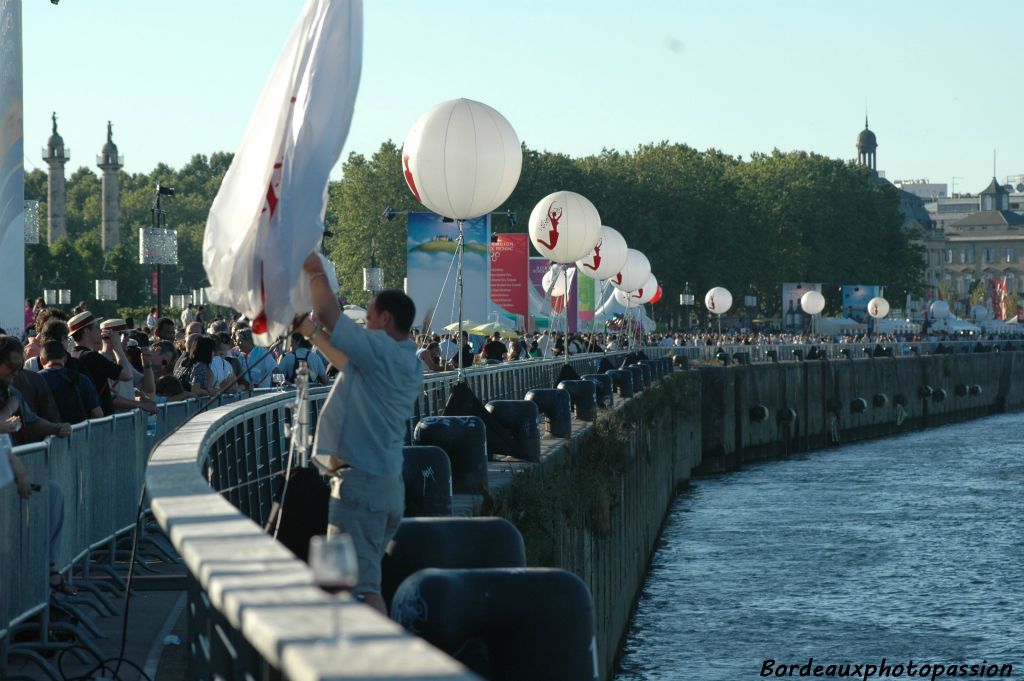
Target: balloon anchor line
x,y
461,376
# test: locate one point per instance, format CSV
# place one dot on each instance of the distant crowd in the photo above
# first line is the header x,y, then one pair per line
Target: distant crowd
x,y
69,368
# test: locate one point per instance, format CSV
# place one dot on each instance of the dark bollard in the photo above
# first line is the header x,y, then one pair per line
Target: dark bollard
x,y
880,400
974,390
680,362
723,357
655,368
960,390
939,395
519,418
879,351
786,415
772,355
648,375
759,413
859,405
670,365
623,380
535,623
427,473
638,377
742,358
924,392
798,355
815,353
845,352
584,398
556,406
450,543
604,386
464,439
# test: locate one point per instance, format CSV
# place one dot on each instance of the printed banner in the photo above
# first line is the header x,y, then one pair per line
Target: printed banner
x,y
855,301
793,316
586,297
543,308
432,265
510,255
12,172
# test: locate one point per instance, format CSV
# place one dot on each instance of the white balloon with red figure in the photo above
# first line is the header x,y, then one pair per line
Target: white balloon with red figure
x,y
607,257
634,273
718,300
564,227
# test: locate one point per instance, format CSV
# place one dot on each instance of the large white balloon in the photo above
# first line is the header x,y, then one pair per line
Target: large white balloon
x,y
634,273
646,293
878,307
624,299
607,257
554,281
718,300
564,227
461,159
812,302
939,309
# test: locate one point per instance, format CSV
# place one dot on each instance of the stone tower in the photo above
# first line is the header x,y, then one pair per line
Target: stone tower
x,y
110,162
56,155
866,146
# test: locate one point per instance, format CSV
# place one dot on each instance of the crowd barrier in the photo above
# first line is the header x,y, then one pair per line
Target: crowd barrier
x,y
100,469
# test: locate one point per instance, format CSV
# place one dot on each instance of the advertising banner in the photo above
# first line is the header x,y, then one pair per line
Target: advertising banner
x,y
855,301
543,308
586,299
432,269
510,255
12,172
793,316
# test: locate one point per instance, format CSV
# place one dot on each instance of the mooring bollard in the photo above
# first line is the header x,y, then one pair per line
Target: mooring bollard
x,y
464,439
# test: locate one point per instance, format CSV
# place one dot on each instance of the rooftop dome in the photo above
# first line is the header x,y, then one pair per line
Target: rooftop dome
x,y
866,139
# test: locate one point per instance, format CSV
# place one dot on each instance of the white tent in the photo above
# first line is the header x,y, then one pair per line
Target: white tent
x,y
610,307
953,325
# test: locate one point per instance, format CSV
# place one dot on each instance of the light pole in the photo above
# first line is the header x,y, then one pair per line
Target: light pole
x,y
686,302
750,300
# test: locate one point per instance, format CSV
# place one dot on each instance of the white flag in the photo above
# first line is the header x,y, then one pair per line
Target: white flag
x,y
268,215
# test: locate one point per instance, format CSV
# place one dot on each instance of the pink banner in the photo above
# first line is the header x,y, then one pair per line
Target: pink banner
x,y
509,273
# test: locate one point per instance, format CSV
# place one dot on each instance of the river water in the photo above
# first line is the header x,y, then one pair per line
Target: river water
x,y
904,548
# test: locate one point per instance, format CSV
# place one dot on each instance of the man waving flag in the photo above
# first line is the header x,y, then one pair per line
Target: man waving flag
x,y
268,215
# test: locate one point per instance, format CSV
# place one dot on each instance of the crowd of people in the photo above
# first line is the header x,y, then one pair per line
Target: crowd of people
x,y
69,368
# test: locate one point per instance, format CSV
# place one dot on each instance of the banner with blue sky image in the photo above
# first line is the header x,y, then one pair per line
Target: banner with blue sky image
x,y
432,269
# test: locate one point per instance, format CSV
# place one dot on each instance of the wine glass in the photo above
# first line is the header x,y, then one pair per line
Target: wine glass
x,y
335,568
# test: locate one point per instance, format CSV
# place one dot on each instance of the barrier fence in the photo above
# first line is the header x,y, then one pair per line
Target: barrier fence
x,y
239,450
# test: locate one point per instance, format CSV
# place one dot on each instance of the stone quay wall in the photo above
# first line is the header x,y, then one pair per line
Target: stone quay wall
x,y
596,502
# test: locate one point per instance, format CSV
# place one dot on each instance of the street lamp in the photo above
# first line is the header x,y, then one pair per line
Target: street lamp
x,y
686,302
373,276
157,244
750,300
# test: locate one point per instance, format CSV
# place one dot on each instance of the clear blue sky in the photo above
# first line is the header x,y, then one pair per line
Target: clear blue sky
x,y
178,78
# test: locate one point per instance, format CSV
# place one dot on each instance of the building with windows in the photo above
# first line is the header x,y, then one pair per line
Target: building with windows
x,y
964,238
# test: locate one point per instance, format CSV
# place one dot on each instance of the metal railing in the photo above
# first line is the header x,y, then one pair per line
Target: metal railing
x,y
99,471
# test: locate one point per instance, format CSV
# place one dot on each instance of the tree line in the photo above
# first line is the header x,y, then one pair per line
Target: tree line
x,y
703,218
